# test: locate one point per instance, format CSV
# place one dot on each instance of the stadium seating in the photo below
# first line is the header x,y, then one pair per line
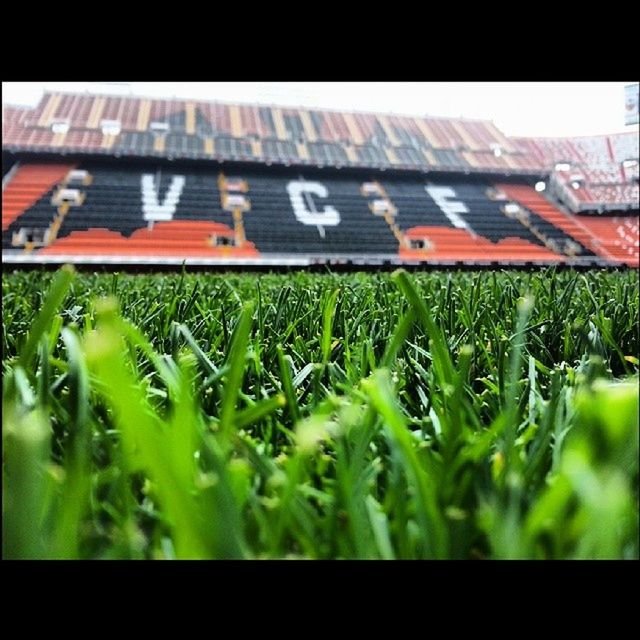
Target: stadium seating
x,y
203,130
153,210
615,239
624,147
589,174
189,129
618,237
437,203
27,185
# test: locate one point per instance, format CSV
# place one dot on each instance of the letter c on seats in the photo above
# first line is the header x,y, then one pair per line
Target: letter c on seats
x,y
329,216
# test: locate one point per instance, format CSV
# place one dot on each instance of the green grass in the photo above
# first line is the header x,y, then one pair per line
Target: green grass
x,y
440,415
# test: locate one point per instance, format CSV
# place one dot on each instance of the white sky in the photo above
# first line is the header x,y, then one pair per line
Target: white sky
x,y
517,108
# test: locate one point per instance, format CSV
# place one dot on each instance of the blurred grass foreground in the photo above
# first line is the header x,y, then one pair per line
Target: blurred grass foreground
x,y
441,415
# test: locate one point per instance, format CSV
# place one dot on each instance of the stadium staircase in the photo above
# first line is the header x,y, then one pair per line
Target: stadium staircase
x,y
28,185
612,238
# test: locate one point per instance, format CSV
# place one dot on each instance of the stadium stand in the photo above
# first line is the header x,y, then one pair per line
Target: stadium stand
x,y
274,182
201,213
613,238
188,129
27,186
590,174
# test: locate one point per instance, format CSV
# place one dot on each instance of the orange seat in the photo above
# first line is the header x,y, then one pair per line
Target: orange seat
x,y
30,183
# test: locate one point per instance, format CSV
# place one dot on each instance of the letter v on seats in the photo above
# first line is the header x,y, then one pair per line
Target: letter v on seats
x,y
151,208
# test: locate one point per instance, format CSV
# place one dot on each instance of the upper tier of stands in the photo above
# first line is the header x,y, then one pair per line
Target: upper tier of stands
x,y
596,173
601,174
